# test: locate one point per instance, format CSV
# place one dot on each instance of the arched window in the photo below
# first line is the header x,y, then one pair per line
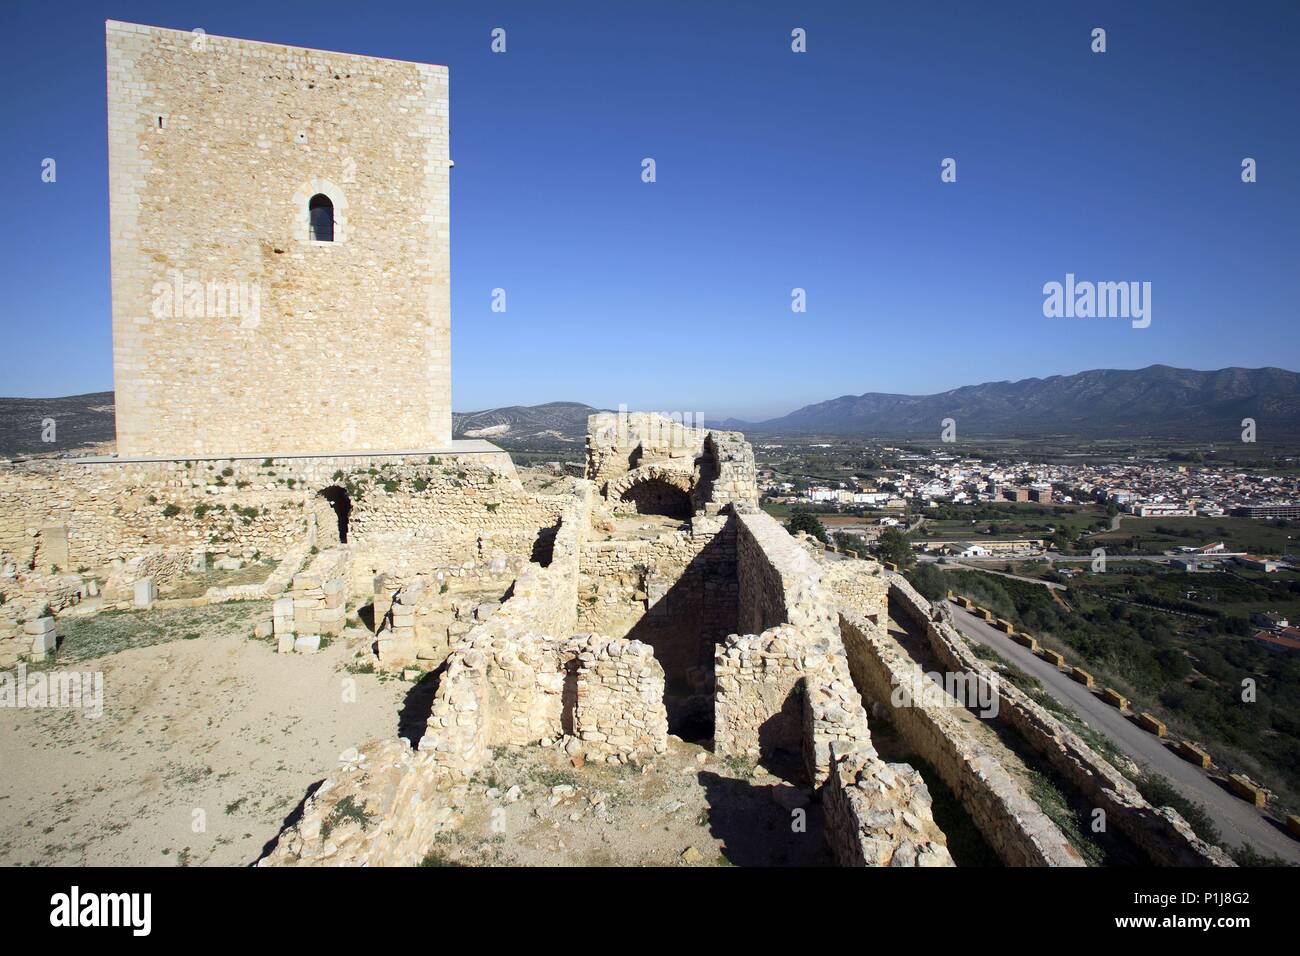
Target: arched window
x,y
322,218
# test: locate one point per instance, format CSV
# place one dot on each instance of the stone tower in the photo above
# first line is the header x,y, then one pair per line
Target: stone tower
x,y
280,248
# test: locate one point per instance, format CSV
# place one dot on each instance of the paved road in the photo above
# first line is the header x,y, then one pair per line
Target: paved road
x,y
1238,822
1056,557
1052,585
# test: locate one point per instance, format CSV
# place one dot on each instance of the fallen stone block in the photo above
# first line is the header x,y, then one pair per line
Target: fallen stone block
x,y
44,644
39,626
286,642
308,644
146,592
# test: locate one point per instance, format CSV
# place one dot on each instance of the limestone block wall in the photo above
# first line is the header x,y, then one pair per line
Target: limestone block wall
x,y
833,712
407,512
728,474
785,691
676,592
878,814
494,691
1160,832
758,694
164,565
618,442
419,621
14,642
924,715
778,581
617,697
693,572
320,593
860,585
233,330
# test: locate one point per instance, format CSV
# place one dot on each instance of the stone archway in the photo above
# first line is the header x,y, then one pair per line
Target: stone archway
x,y
653,489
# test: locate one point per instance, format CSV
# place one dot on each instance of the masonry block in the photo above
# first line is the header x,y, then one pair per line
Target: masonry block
x,y
146,592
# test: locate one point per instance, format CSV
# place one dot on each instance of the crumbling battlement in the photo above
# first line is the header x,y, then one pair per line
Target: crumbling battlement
x,y
632,456
860,586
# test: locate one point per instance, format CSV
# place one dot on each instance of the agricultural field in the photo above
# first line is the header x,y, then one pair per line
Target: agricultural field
x,y
1237,534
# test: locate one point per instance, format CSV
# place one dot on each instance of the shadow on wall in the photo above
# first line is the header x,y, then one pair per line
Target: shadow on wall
x,y
544,546
757,830
332,522
780,739
289,823
706,473
569,698
683,626
417,707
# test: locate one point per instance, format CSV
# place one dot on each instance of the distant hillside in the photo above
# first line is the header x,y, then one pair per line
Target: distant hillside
x,y
1156,401
82,420
552,422
79,420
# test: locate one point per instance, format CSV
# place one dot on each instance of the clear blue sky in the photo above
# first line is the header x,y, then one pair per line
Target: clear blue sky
x,y
775,170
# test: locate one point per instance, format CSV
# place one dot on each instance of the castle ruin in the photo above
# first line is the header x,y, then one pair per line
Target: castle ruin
x,y
650,599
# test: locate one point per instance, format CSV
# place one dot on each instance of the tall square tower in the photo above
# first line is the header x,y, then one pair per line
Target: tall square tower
x,y
280,248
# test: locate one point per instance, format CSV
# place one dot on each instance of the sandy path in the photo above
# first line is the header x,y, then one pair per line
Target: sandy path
x,y
203,749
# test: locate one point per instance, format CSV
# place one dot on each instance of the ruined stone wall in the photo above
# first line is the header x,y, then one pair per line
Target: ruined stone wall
x,y
421,512
617,708
494,691
778,581
878,814
216,147
860,585
758,695
317,603
925,716
618,443
675,592
714,468
1160,832
419,620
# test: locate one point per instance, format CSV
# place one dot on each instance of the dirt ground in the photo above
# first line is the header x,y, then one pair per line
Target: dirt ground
x,y
681,808
207,741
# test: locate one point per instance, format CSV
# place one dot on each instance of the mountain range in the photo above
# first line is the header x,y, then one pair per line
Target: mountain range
x,y
1157,401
